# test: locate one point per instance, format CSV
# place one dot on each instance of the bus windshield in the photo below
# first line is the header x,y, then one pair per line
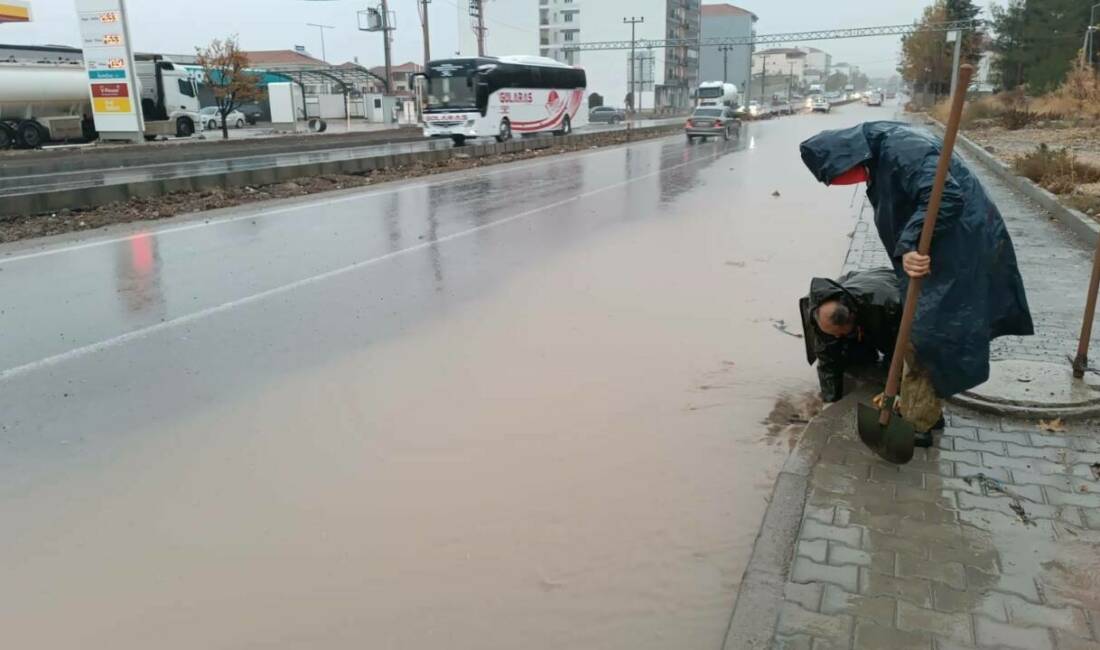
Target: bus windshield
x,y
451,85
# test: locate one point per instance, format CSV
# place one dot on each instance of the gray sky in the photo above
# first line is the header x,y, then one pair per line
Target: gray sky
x,y
281,24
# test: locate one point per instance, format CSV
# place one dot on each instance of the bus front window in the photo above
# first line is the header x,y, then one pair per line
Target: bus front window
x,y
451,93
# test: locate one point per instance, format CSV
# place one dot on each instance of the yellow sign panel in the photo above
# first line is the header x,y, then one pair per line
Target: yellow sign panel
x,y
111,105
14,11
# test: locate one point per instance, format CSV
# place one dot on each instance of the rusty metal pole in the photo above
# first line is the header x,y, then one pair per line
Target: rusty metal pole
x,y
1081,361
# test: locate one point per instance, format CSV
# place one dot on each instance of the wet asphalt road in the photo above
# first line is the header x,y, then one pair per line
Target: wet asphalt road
x,y
524,406
15,184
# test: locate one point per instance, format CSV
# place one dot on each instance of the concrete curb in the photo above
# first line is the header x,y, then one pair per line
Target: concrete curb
x,y
755,614
1078,222
89,197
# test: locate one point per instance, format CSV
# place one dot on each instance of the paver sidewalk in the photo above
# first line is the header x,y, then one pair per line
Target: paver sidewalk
x,y
990,540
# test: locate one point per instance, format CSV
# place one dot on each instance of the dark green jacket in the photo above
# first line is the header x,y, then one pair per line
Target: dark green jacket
x,y
875,298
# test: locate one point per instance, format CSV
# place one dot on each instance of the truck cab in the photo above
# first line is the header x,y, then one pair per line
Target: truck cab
x,y
169,99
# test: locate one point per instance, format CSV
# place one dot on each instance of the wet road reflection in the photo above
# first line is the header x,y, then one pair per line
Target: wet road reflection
x,y
527,406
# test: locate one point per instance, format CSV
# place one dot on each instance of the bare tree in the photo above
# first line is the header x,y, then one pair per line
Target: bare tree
x,y
225,71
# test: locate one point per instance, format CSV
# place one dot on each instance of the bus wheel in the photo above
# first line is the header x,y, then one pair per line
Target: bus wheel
x,y
459,140
7,136
505,131
566,126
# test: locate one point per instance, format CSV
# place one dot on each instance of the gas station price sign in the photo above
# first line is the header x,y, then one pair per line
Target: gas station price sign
x,y
109,61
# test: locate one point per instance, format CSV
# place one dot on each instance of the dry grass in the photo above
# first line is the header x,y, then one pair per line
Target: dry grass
x,y
1077,100
1058,171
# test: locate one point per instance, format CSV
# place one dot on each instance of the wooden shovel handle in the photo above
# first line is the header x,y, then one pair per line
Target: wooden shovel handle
x,y
958,100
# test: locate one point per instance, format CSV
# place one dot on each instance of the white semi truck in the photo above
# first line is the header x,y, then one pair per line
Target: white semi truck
x,y
716,93
50,102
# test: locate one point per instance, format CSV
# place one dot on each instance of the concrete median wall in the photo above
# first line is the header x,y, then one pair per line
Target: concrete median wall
x,y
90,197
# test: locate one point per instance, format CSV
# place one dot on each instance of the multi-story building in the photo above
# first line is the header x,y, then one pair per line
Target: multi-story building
x,y
675,71
819,65
733,65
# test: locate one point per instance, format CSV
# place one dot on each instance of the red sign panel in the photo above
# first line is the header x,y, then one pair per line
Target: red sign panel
x,y
110,90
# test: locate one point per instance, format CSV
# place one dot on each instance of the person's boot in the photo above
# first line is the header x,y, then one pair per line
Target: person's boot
x,y
924,439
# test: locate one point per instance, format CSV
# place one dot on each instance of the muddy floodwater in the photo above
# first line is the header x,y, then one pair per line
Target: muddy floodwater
x,y
555,427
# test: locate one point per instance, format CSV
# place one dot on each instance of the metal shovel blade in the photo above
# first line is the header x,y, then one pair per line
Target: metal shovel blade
x,y
893,442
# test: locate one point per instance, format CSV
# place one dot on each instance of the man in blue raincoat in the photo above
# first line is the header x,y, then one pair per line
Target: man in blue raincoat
x,y
973,292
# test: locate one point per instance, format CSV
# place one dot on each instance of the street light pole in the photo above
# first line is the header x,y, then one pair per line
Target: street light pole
x,y
1092,32
725,50
387,49
322,29
763,77
633,22
423,5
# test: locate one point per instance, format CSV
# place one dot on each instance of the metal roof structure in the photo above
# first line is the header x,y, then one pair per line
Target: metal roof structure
x,y
348,76
766,39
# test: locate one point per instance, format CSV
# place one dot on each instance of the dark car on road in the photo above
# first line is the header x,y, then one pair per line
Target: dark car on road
x,y
712,122
607,114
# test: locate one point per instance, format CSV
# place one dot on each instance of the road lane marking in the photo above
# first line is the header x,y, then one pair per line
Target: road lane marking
x,y
366,193
122,339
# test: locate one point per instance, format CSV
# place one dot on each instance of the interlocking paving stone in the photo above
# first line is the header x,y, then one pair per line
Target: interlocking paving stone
x,y
1004,635
916,591
878,608
952,574
808,596
872,636
918,619
806,570
850,535
815,549
794,620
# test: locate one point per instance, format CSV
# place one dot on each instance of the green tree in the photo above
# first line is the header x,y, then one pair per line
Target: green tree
x,y
836,81
1037,40
927,57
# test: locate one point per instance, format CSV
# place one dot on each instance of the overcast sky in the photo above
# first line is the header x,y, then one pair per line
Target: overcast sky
x,y
281,24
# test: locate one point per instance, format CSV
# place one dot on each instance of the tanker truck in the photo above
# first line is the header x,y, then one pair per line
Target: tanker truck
x,y
716,93
49,102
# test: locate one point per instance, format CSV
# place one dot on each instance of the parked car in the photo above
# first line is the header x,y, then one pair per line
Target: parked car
x,y
822,105
608,114
252,113
212,118
712,122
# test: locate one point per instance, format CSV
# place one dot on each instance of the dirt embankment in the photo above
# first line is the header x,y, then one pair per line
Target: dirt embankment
x,y
138,209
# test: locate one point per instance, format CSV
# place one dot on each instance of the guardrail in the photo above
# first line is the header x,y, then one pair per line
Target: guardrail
x,y
47,201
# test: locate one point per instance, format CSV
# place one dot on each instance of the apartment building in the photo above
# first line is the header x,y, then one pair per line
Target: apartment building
x,y
727,21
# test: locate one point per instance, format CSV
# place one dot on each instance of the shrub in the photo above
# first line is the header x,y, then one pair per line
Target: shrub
x,y
1058,171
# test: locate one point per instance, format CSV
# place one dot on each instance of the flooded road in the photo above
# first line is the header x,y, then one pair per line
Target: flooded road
x,y
532,406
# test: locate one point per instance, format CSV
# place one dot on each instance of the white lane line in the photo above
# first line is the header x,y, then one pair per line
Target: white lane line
x,y
134,335
261,213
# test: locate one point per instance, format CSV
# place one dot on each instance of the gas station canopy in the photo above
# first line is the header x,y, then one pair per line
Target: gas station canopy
x,y
15,11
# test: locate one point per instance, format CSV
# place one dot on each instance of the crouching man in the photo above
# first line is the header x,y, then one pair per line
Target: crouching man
x,y
850,323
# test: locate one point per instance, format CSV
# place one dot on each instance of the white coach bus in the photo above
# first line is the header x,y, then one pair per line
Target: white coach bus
x,y
500,97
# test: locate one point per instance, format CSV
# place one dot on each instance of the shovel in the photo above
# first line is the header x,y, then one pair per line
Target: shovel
x,y
886,432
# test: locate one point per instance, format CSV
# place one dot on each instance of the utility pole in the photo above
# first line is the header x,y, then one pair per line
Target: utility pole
x,y
1092,33
790,83
423,6
387,45
725,50
764,78
633,22
322,29
477,11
